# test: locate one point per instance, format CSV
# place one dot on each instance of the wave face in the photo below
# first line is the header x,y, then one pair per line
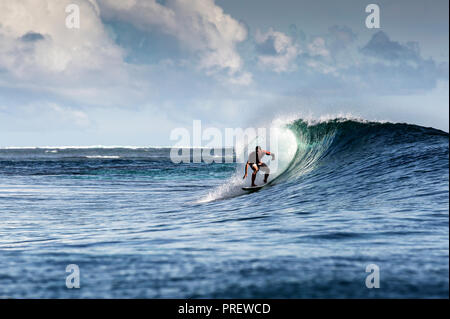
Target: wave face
x,y
349,193
349,149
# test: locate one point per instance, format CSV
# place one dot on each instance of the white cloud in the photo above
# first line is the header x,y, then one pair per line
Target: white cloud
x,y
75,117
321,67
332,51
43,116
278,51
245,78
84,66
200,25
318,47
53,49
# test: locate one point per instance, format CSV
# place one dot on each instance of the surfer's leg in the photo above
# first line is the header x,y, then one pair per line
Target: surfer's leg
x,y
255,171
266,170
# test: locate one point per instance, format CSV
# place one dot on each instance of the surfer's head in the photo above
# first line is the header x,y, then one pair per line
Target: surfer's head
x,y
257,148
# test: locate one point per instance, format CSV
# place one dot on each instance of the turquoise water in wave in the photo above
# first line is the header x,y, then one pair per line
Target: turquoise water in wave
x,y
139,226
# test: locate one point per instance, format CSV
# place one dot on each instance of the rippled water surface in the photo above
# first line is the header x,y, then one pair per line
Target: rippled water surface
x,y
140,226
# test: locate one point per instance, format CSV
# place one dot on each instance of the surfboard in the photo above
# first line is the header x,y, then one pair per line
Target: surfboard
x,y
253,188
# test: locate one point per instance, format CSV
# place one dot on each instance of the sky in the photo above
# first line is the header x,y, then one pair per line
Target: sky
x,y
135,70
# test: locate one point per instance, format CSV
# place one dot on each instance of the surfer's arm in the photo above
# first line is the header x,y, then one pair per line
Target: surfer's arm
x,y
246,169
268,153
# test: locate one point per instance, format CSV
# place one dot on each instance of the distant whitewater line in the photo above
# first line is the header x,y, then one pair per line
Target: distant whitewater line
x,y
104,156
101,147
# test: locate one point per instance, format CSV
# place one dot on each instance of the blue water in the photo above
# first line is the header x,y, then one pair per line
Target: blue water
x,y
139,226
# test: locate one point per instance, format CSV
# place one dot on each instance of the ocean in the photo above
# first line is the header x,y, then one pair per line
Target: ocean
x,y
349,195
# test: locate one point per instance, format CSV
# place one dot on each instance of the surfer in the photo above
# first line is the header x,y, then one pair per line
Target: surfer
x,y
254,161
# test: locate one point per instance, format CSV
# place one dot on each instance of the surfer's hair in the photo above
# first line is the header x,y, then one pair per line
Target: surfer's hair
x,y
257,148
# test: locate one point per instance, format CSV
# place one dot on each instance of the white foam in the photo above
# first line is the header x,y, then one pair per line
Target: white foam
x,y
285,150
311,119
103,156
231,188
